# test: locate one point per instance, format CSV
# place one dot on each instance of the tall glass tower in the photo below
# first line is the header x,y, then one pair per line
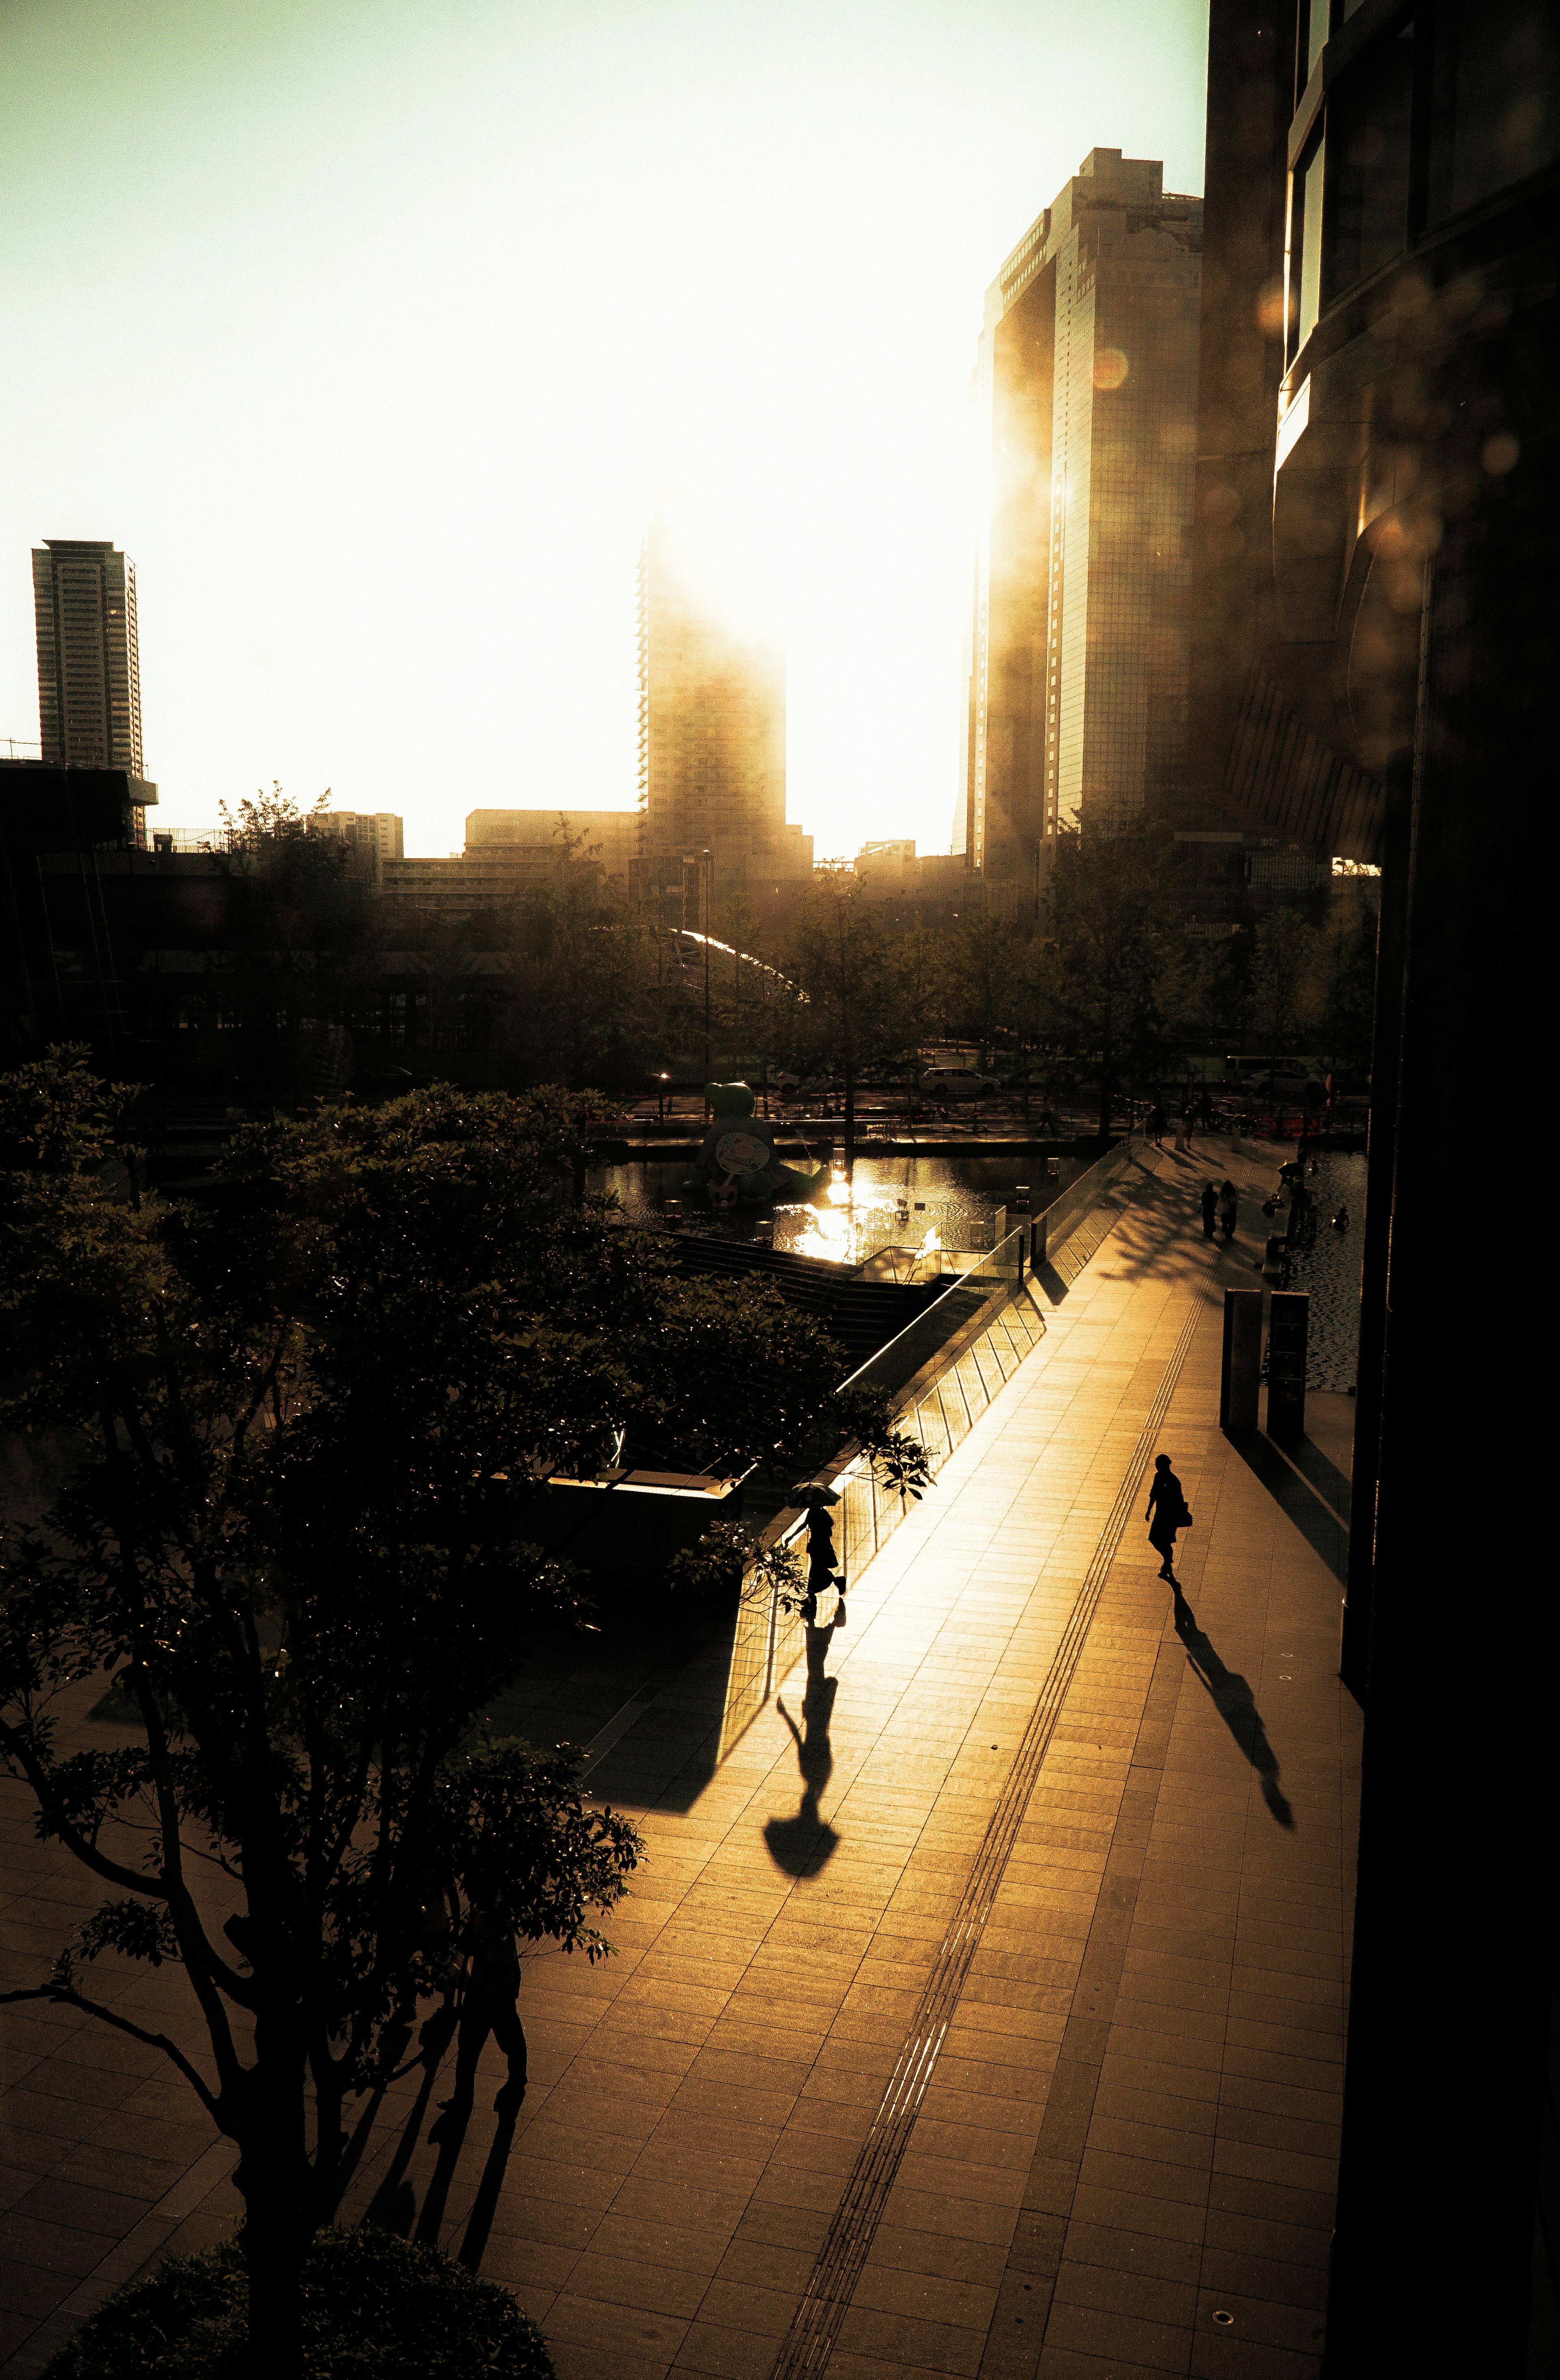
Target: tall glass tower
x,y
1087,391
712,720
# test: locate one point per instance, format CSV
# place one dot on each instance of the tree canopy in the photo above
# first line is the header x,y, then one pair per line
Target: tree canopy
x,y
307,1425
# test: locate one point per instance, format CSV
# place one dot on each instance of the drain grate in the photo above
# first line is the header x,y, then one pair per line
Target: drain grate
x,y
806,2349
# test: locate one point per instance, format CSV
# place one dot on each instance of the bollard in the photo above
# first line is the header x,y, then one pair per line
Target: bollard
x,y
1241,1371
1288,1329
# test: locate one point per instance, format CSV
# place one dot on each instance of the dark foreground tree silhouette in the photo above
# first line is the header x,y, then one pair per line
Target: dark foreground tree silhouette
x,y
307,1429
1108,898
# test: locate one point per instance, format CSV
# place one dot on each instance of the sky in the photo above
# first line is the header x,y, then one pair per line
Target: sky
x,y
369,330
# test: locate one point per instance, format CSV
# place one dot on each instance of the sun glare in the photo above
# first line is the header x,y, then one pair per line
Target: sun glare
x,y
427,305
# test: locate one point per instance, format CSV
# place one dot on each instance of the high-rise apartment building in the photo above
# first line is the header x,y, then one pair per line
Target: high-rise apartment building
x,y
711,725
1087,391
89,657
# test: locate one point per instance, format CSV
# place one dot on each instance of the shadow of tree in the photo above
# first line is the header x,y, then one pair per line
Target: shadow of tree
x,y
1236,1705
393,2203
803,1844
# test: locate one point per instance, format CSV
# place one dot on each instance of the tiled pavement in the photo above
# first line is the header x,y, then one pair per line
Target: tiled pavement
x,y
1123,2162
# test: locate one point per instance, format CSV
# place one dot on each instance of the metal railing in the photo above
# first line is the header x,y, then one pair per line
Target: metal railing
x,y
982,1343
998,1274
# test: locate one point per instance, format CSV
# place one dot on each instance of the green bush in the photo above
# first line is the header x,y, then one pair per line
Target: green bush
x,y
375,2307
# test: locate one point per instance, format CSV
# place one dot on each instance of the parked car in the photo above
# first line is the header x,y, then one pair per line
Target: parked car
x,y
944,1084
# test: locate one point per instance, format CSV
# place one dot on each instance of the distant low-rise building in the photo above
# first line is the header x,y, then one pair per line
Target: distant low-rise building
x,y
931,889
372,837
508,851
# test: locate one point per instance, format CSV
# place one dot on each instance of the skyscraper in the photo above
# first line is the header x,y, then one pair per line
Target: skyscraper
x,y
1086,385
712,723
89,657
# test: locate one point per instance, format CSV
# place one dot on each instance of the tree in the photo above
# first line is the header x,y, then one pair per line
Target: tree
x,y
980,961
303,951
1286,977
849,1017
1347,980
919,958
1107,904
311,1428
582,972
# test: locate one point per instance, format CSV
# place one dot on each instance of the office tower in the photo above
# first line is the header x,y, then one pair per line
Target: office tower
x,y
1372,670
1085,388
712,723
88,659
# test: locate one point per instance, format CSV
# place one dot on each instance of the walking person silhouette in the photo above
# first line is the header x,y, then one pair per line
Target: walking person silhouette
x,y
1167,1512
490,2005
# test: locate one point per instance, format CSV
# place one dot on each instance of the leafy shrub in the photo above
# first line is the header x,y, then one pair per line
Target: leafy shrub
x,y
375,2307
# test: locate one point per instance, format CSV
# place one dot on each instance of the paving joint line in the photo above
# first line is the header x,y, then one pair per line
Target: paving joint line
x,y
809,2344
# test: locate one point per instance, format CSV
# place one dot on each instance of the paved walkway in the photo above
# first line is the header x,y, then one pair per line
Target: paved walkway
x,y
980,2013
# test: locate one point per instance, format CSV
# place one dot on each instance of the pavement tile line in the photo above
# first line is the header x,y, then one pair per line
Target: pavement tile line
x,y
809,2344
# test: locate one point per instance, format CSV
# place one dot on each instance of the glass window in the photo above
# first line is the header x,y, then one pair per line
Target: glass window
x,y
1497,73
1369,119
1313,33
1305,241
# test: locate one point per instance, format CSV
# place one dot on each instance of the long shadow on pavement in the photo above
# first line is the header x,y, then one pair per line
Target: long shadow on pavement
x,y
478,2223
803,1844
1298,1498
1236,1705
1331,1485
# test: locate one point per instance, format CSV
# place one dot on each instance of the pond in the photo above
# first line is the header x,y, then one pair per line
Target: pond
x,y
1329,1269
885,1202
899,1201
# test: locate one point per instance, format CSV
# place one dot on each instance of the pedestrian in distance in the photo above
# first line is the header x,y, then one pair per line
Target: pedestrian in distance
x,y
1157,1122
1209,1205
1229,1209
1188,1121
1167,1512
490,2005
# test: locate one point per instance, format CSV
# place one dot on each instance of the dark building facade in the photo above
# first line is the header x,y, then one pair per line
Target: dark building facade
x,y
1373,606
65,833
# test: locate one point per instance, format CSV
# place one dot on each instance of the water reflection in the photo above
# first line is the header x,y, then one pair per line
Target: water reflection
x,y
888,1201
